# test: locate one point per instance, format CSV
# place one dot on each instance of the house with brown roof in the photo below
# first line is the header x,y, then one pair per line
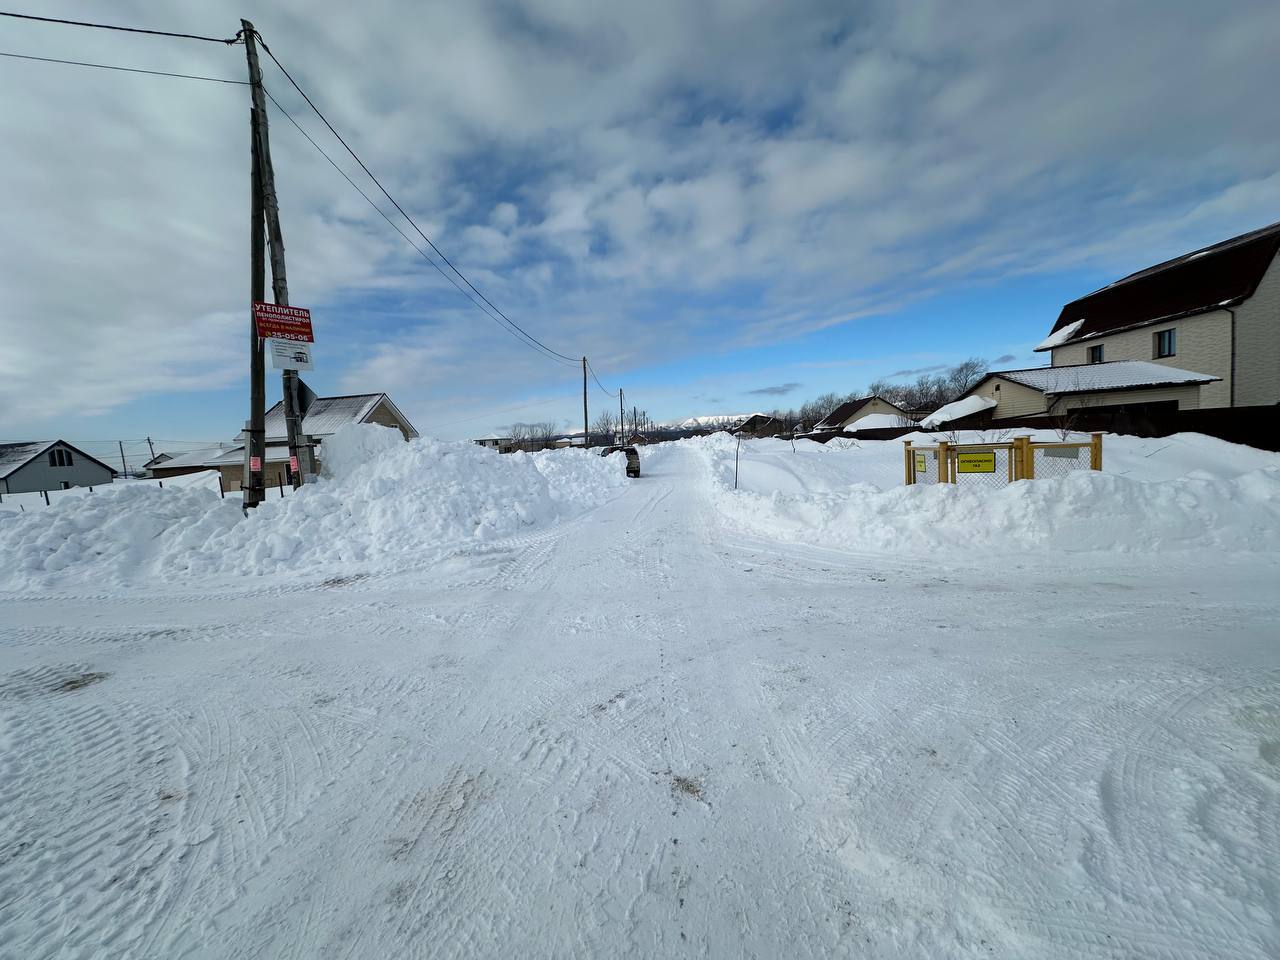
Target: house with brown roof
x,y
1214,312
845,417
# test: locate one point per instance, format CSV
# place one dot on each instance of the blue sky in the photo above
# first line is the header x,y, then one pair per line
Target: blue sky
x,y
707,199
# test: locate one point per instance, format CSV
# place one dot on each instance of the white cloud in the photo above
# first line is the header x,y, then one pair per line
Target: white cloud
x,y
584,161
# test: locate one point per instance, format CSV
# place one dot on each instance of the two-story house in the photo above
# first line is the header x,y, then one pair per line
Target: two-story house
x,y
1215,311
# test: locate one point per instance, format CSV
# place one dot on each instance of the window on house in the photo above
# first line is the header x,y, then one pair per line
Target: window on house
x,y
1166,343
59,457
53,458
1095,354
66,455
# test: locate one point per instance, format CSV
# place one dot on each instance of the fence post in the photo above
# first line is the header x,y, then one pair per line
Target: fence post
x,y
222,490
944,462
908,463
1029,461
1095,452
46,497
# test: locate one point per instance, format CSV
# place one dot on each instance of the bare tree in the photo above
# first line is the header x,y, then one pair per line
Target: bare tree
x,y
605,425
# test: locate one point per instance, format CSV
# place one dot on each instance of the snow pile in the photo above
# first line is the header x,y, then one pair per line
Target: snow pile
x,y
382,504
1157,495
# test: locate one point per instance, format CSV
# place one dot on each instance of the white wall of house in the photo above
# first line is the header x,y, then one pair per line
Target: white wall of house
x,y
39,475
1258,343
1203,344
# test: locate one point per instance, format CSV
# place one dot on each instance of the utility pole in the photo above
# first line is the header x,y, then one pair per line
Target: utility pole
x,y
622,418
255,447
586,435
152,447
124,467
299,448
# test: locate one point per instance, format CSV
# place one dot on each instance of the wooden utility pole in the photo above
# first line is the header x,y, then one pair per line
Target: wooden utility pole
x,y
124,467
586,434
622,418
299,448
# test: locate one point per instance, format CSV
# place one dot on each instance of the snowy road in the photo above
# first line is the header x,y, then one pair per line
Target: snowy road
x,y
644,733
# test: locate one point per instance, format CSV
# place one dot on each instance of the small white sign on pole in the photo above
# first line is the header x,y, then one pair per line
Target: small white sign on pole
x,y
289,354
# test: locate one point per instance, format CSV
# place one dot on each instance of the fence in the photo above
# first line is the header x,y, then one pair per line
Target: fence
x,y
996,464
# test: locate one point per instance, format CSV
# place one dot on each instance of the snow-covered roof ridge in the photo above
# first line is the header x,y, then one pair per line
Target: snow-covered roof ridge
x,y
1112,375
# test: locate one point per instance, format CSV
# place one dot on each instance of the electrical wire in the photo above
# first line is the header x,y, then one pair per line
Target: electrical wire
x,y
601,385
108,26
532,339
395,226
108,66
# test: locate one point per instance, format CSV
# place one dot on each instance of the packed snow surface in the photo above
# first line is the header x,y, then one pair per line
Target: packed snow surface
x,y
450,704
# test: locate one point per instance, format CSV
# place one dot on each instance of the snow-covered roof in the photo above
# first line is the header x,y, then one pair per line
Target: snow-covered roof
x,y
1112,375
327,414
957,409
878,421
1060,336
15,456
205,456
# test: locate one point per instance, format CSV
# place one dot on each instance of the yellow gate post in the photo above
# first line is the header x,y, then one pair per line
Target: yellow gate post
x,y
1029,467
1095,452
944,462
906,460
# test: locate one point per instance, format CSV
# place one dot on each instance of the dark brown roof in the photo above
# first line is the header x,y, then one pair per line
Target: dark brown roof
x,y
834,419
1221,275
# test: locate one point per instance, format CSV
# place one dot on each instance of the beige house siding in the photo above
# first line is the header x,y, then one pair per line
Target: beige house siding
x,y
1203,345
383,416
873,406
1258,343
1188,397
1012,399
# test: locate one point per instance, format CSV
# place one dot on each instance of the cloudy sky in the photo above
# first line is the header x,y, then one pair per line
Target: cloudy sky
x,y
726,205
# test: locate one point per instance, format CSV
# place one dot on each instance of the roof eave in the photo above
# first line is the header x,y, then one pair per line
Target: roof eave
x,y
1198,311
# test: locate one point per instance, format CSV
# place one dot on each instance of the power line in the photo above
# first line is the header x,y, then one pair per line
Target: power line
x,y
378,183
109,26
395,226
108,66
599,384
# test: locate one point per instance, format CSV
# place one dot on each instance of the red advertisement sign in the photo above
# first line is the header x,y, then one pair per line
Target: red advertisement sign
x,y
255,464
284,323
293,464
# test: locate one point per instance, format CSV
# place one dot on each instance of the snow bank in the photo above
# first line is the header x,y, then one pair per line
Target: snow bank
x,y
1157,496
382,503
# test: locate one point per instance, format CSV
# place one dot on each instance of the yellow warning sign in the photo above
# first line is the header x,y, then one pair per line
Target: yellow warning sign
x,y
922,462
978,461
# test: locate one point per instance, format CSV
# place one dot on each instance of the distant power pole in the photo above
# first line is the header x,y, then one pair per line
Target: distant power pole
x,y
265,198
622,418
152,447
586,435
124,467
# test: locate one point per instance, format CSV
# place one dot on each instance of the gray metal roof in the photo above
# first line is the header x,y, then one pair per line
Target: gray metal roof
x,y
327,414
1112,375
